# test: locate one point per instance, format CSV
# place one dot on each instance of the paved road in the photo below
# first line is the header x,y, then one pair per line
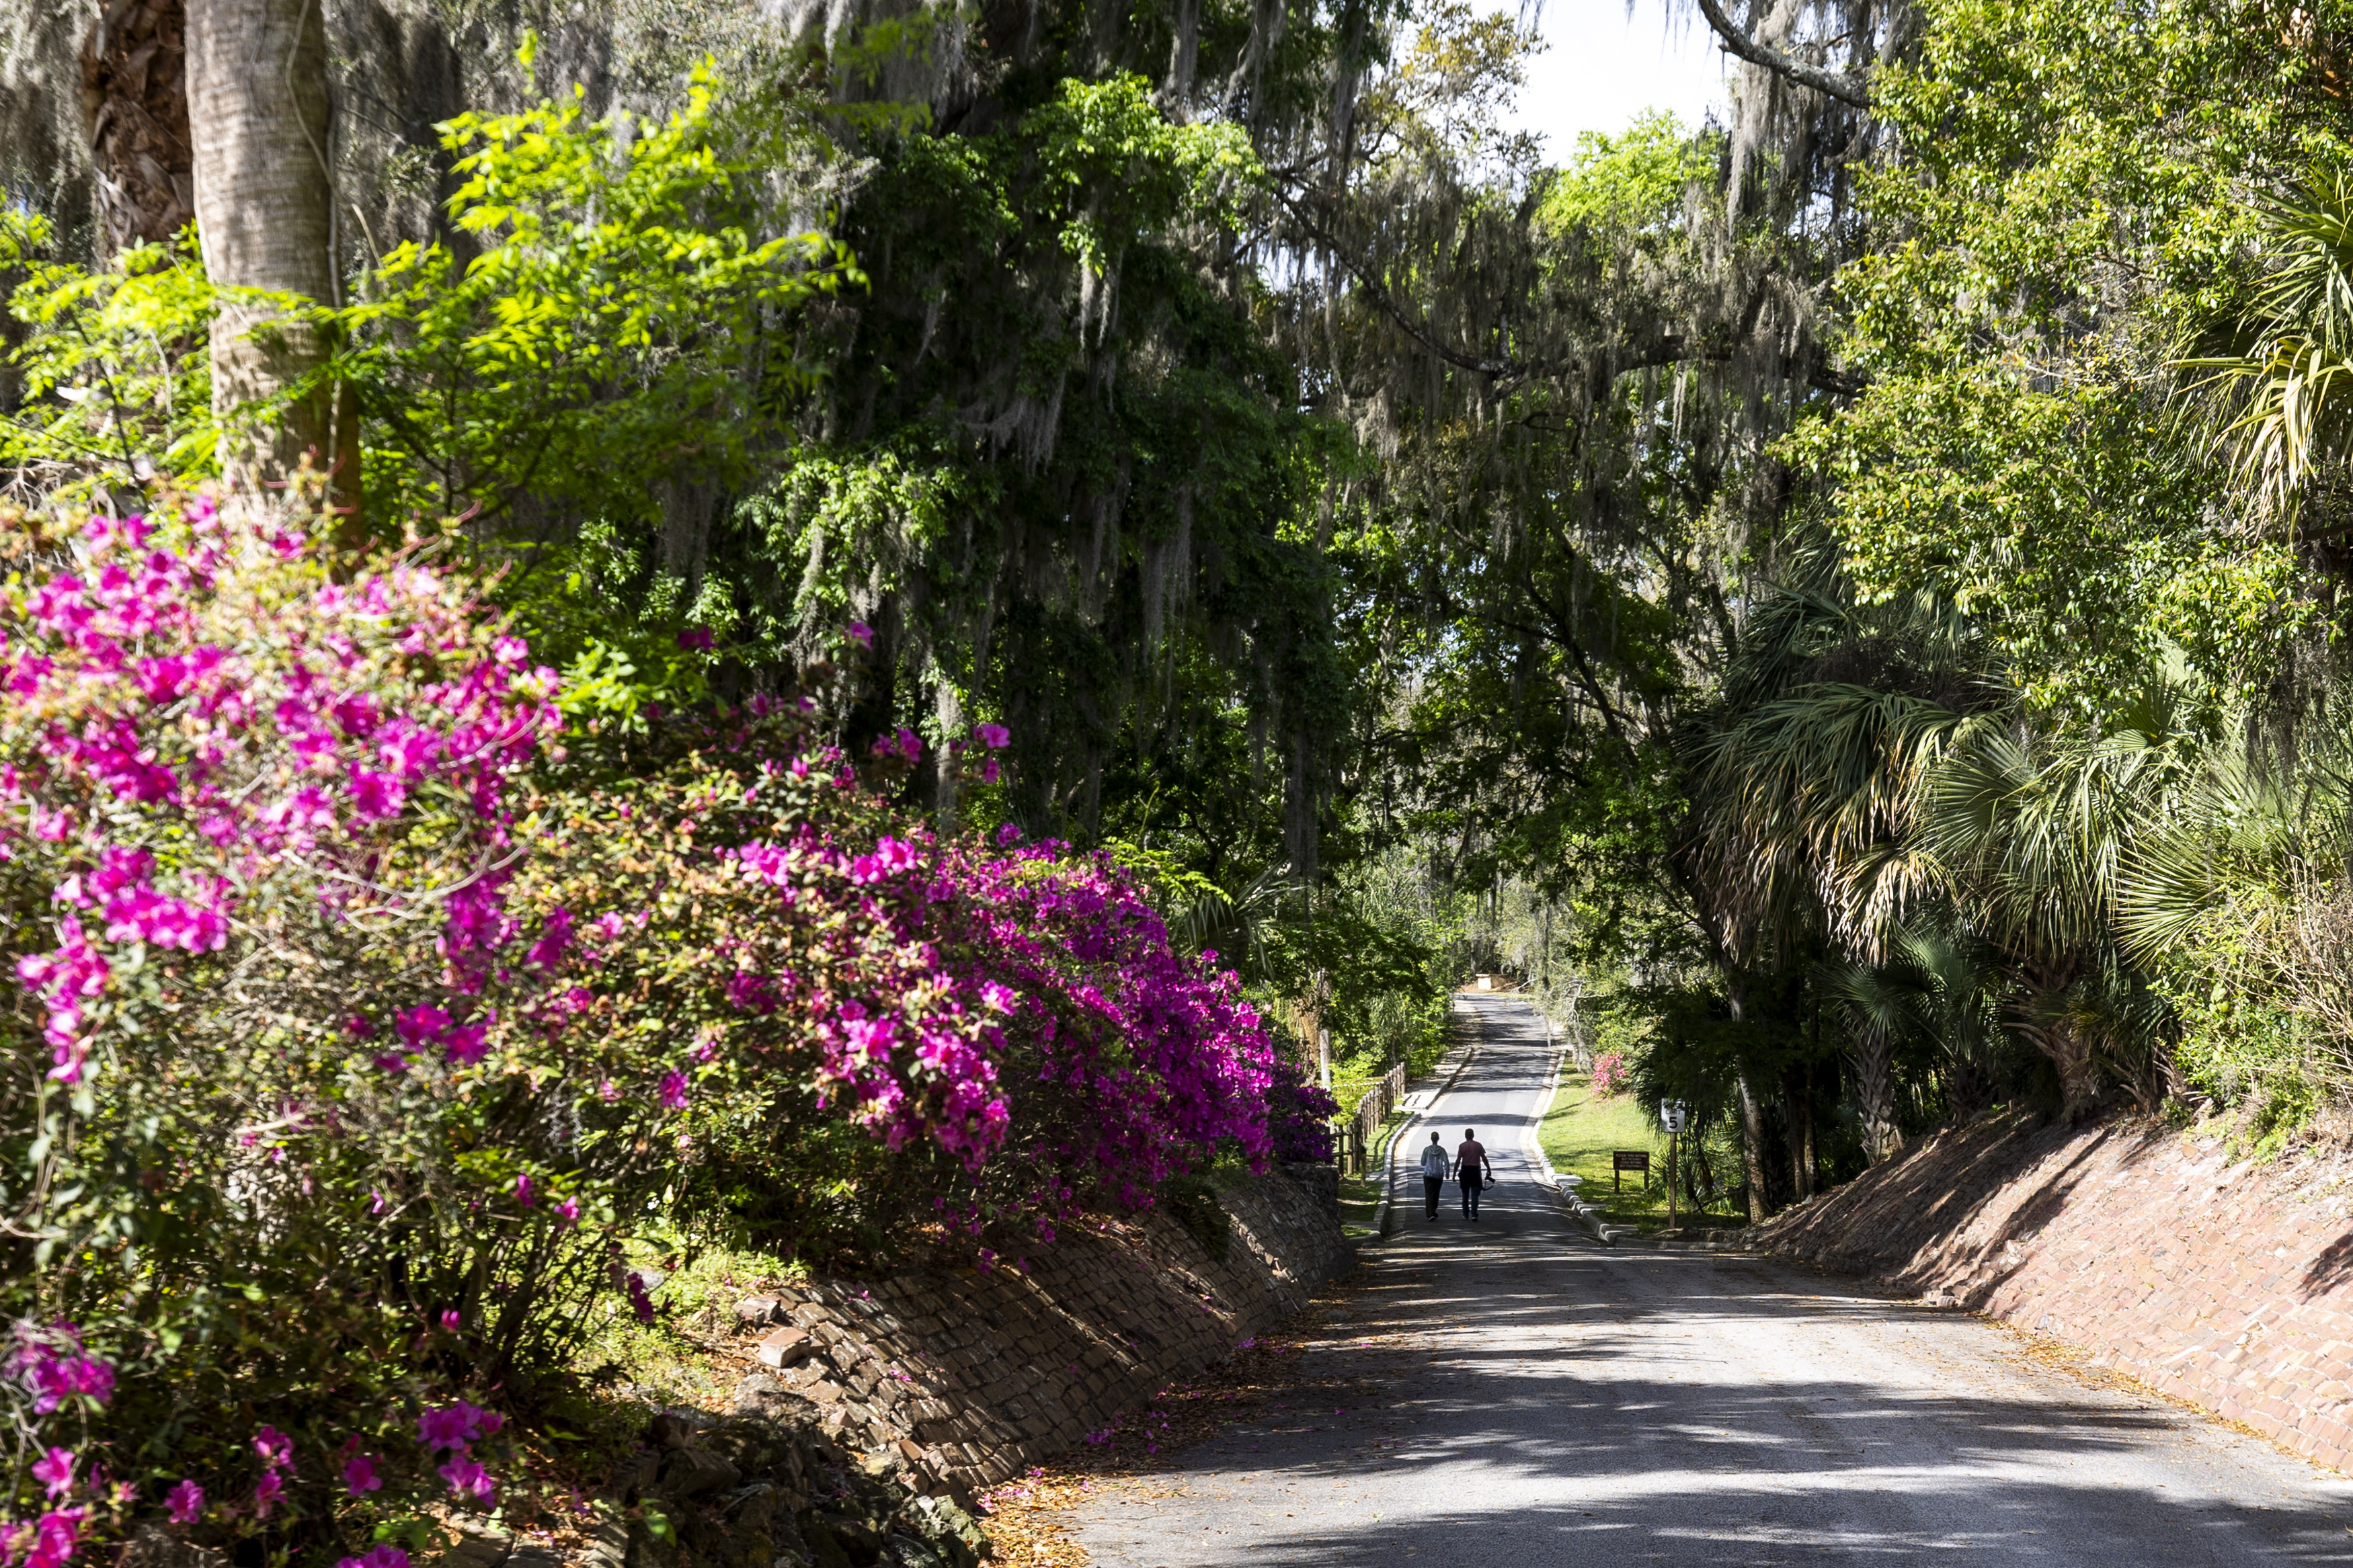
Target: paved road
x,y
1543,1401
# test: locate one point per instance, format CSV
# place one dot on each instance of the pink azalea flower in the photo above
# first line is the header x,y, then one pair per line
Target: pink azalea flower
x,y
55,1470
673,1091
467,1480
267,1492
186,1502
466,1045
861,634
359,1475
378,1557
456,1425
55,1538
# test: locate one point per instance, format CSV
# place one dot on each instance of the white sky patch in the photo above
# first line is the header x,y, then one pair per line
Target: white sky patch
x,y
1604,67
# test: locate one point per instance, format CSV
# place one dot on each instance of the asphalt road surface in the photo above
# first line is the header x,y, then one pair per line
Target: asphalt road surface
x,y
1537,1399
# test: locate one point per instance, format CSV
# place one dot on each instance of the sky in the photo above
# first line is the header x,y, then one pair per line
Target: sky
x,y
1603,67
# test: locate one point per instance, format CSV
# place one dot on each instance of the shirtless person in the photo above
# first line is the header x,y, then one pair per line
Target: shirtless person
x,y
1472,1169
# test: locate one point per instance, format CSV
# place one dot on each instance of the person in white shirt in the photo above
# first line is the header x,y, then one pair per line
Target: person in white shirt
x,y
1434,1164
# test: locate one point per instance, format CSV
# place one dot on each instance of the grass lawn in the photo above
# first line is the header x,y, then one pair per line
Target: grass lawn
x,y
1581,1132
1360,1200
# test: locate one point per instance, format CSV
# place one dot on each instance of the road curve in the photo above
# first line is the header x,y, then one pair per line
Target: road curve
x,y
1537,1400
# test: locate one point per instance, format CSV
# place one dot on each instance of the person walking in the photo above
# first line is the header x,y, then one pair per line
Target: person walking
x,y
1472,1169
1434,1163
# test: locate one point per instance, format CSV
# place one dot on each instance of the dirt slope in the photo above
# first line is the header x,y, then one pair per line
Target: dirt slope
x,y
2218,1282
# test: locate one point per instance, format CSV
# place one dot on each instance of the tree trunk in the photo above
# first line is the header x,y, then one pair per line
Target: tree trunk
x,y
1752,1151
257,101
1798,1099
1875,1091
2079,1076
135,102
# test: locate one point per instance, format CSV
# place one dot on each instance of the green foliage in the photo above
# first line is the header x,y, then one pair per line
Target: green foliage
x,y
2066,524
1116,171
619,317
113,379
1634,182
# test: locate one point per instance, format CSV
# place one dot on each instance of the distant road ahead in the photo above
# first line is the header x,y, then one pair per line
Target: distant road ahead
x,y
1544,1401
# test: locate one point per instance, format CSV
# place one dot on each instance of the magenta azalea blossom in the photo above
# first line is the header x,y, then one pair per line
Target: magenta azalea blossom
x,y
359,1475
468,1482
267,1492
861,634
55,1470
55,1538
673,1091
186,1502
456,1426
276,1448
378,1557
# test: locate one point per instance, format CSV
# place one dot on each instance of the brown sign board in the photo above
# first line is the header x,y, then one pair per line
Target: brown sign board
x,y
1624,1160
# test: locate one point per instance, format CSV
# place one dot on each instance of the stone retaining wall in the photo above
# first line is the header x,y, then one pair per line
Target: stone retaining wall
x,y
967,1377
2217,1282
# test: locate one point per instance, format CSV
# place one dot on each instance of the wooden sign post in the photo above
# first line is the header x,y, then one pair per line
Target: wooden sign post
x,y
1624,1160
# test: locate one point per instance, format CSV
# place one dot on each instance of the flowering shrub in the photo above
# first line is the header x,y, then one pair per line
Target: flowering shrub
x,y
236,791
851,1009
357,1026
1608,1075
1299,1114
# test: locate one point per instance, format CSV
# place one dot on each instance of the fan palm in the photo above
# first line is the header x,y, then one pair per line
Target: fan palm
x,y
1806,774
2276,387
1872,1003
2034,830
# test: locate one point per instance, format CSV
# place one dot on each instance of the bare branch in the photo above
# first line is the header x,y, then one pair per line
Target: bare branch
x,y
1843,88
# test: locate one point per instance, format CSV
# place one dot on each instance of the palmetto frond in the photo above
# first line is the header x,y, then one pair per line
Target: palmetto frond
x,y
2276,385
1809,770
1235,924
2037,828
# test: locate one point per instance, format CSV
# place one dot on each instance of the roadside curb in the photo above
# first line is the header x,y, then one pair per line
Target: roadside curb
x,y
1531,1145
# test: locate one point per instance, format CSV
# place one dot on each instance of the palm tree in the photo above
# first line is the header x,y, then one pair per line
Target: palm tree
x,y
2033,832
1873,1003
1806,773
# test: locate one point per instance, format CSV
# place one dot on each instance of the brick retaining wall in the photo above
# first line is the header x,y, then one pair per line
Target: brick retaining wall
x,y
970,1376
2217,1282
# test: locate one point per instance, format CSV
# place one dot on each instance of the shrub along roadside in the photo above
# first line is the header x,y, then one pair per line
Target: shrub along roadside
x,y
360,1028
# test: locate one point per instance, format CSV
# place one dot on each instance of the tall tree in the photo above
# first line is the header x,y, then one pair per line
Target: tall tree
x,y
264,189
134,91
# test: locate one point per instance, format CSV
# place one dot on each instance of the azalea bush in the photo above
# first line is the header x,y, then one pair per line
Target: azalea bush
x,y
239,790
1610,1074
870,1029
360,1024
